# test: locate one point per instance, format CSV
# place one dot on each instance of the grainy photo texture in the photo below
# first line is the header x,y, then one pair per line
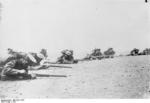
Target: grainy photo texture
x,y
74,49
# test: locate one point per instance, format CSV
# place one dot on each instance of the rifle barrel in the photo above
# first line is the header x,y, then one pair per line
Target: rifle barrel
x,y
47,75
60,66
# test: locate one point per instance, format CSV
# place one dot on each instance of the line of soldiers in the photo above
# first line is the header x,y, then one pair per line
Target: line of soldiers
x,y
98,55
136,51
17,65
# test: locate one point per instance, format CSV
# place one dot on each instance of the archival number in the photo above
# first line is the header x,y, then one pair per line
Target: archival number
x,y
11,100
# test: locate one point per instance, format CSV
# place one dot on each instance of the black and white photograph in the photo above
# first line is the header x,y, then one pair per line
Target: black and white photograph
x,y
74,49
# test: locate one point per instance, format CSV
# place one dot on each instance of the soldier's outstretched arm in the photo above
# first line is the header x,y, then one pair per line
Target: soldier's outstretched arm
x,y
9,69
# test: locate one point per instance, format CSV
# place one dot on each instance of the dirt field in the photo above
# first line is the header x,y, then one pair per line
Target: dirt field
x,y
121,77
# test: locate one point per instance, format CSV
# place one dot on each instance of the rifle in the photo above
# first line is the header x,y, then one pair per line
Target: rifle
x,y
47,66
59,66
52,64
47,75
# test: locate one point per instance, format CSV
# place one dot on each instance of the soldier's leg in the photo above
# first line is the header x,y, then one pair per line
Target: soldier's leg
x,y
18,77
12,74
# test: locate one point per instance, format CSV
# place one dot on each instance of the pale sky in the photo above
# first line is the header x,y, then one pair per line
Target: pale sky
x,y
80,25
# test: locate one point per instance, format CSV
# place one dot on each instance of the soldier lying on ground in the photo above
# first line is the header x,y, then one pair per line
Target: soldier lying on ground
x,y
17,68
12,55
134,52
40,58
96,54
67,57
109,53
146,51
41,61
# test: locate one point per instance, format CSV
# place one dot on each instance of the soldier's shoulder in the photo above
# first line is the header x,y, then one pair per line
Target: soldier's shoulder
x,y
10,58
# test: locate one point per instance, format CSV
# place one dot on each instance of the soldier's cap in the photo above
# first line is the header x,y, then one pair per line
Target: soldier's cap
x,y
31,58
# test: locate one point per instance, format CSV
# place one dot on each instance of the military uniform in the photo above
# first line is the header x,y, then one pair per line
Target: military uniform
x,y
38,58
67,57
15,69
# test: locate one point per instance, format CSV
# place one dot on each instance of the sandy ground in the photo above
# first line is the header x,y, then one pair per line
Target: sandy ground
x,y
121,77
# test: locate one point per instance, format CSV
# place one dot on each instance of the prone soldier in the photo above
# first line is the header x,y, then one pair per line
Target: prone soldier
x,y
67,57
17,68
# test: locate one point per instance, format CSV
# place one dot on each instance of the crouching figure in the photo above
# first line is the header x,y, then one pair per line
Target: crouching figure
x,y
17,68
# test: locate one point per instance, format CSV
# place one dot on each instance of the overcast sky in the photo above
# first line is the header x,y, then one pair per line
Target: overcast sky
x,y
81,25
